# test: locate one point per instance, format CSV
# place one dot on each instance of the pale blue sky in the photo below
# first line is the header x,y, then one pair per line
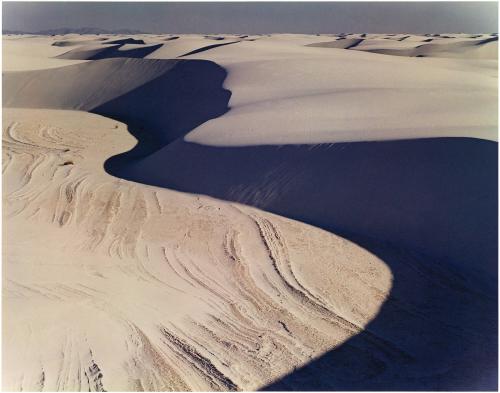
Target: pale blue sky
x,y
256,17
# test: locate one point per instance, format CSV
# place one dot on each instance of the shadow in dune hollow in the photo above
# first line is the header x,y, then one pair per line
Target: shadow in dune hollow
x,y
426,207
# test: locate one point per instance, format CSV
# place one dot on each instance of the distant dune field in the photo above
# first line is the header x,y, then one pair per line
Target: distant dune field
x,y
233,212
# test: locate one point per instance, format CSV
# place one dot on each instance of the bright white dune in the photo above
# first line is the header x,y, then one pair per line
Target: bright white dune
x,y
322,95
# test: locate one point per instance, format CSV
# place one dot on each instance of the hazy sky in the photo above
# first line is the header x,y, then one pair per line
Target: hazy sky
x,y
256,17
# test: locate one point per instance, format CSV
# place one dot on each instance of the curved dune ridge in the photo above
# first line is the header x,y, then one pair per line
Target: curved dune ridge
x,y
198,294
396,154
166,97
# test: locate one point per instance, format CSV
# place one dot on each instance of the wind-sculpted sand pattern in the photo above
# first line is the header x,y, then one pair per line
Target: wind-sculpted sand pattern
x,y
133,287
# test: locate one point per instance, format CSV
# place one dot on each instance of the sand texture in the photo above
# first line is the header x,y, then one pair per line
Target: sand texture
x,y
224,212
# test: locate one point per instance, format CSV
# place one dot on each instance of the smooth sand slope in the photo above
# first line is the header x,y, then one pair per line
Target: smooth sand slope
x,y
112,280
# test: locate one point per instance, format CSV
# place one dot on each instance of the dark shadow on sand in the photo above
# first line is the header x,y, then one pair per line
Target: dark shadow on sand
x,y
109,52
426,207
169,106
205,48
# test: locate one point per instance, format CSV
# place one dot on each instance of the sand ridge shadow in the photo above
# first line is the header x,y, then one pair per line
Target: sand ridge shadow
x,y
96,53
168,107
432,351
159,99
427,212
126,41
426,207
205,48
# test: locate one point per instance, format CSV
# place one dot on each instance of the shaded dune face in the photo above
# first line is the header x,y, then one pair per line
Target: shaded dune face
x,y
160,100
173,104
126,41
64,43
202,49
427,208
411,193
341,43
450,344
419,205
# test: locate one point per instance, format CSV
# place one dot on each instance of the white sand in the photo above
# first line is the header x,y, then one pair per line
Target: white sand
x,y
307,95
118,285
96,268
32,53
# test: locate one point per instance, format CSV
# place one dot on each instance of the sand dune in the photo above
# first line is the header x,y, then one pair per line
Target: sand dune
x,y
182,46
416,100
205,48
111,78
120,48
181,319
340,43
352,244
166,97
76,42
480,47
31,53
